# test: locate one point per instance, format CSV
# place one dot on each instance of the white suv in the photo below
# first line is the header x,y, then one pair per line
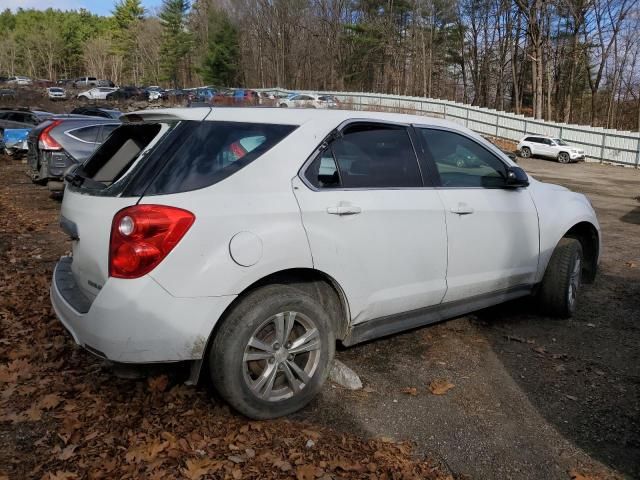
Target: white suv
x,y
97,93
549,147
252,238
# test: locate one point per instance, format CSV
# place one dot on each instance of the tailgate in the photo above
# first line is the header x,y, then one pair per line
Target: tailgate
x,y
88,219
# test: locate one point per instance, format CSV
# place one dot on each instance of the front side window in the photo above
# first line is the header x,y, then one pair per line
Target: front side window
x,y
367,156
462,162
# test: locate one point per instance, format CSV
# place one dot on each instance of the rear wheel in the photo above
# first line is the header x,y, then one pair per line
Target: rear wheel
x,y
272,353
283,105
562,280
525,152
563,157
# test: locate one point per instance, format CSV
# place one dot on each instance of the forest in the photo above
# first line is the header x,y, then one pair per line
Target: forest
x,y
574,61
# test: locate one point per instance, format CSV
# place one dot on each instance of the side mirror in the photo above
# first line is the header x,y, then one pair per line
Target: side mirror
x,y
516,177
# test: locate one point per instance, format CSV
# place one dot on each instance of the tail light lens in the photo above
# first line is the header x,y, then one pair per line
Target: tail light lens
x,y
46,141
142,236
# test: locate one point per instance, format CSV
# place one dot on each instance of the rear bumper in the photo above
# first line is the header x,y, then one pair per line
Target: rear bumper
x,y
135,321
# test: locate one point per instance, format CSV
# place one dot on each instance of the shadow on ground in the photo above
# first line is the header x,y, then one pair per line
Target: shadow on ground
x,y
581,374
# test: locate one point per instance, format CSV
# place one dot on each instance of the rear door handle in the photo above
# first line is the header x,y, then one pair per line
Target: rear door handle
x,y
344,210
462,209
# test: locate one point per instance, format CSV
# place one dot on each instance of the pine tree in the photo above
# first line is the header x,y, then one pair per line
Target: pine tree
x,y
176,39
220,65
127,16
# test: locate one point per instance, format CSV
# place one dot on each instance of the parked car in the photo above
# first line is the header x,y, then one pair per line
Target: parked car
x,y
21,118
251,239
127,92
62,142
56,93
97,112
14,140
310,100
153,92
105,83
85,82
538,145
7,93
19,80
97,93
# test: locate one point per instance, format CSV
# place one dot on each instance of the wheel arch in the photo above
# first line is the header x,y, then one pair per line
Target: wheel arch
x,y
311,281
588,236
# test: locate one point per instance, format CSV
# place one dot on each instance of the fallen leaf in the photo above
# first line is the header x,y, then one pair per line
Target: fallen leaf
x,y
33,413
68,452
576,475
413,391
199,467
571,397
539,350
49,401
440,386
60,475
630,264
159,383
306,472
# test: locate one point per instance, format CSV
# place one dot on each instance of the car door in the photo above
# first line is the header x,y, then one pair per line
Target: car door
x,y
536,146
492,231
370,222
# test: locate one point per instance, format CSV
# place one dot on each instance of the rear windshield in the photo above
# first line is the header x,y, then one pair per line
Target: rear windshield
x,y
164,158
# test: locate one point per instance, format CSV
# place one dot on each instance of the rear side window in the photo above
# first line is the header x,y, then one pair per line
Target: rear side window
x,y
86,134
208,152
367,156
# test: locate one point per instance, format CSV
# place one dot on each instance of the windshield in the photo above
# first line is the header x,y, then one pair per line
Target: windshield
x,y
560,142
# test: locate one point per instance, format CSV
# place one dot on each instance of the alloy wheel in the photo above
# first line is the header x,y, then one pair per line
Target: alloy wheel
x,y
575,280
281,356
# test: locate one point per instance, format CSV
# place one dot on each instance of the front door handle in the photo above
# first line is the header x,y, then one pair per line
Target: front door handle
x,y
344,210
462,209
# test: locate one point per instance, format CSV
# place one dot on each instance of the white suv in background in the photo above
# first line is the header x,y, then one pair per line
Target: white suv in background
x,y
254,238
538,145
310,100
97,93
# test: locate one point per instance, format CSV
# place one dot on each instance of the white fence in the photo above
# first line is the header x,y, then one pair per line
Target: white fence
x,y
599,144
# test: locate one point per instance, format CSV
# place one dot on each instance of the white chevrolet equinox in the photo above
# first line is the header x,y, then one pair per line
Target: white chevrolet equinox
x,y
249,240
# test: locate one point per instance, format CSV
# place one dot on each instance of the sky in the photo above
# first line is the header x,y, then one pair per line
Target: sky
x,y
101,7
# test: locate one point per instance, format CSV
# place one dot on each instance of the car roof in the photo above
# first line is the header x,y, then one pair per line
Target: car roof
x,y
288,116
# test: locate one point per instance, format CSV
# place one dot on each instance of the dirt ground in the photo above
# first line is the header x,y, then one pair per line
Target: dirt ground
x,y
64,415
532,397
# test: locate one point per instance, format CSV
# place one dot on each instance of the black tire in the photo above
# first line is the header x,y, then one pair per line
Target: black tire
x,y
563,157
562,280
232,374
284,105
525,152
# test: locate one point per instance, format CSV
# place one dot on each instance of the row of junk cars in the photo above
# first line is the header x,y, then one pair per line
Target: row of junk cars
x,y
54,143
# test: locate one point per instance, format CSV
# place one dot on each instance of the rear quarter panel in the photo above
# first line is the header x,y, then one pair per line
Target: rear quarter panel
x,y
258,199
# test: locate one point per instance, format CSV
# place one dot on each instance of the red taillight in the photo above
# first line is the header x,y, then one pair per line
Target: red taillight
x,y
46,141
142,236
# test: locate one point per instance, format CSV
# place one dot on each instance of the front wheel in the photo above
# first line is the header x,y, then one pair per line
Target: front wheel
x,y
563,157
525,152
272,352
283,105
562,280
